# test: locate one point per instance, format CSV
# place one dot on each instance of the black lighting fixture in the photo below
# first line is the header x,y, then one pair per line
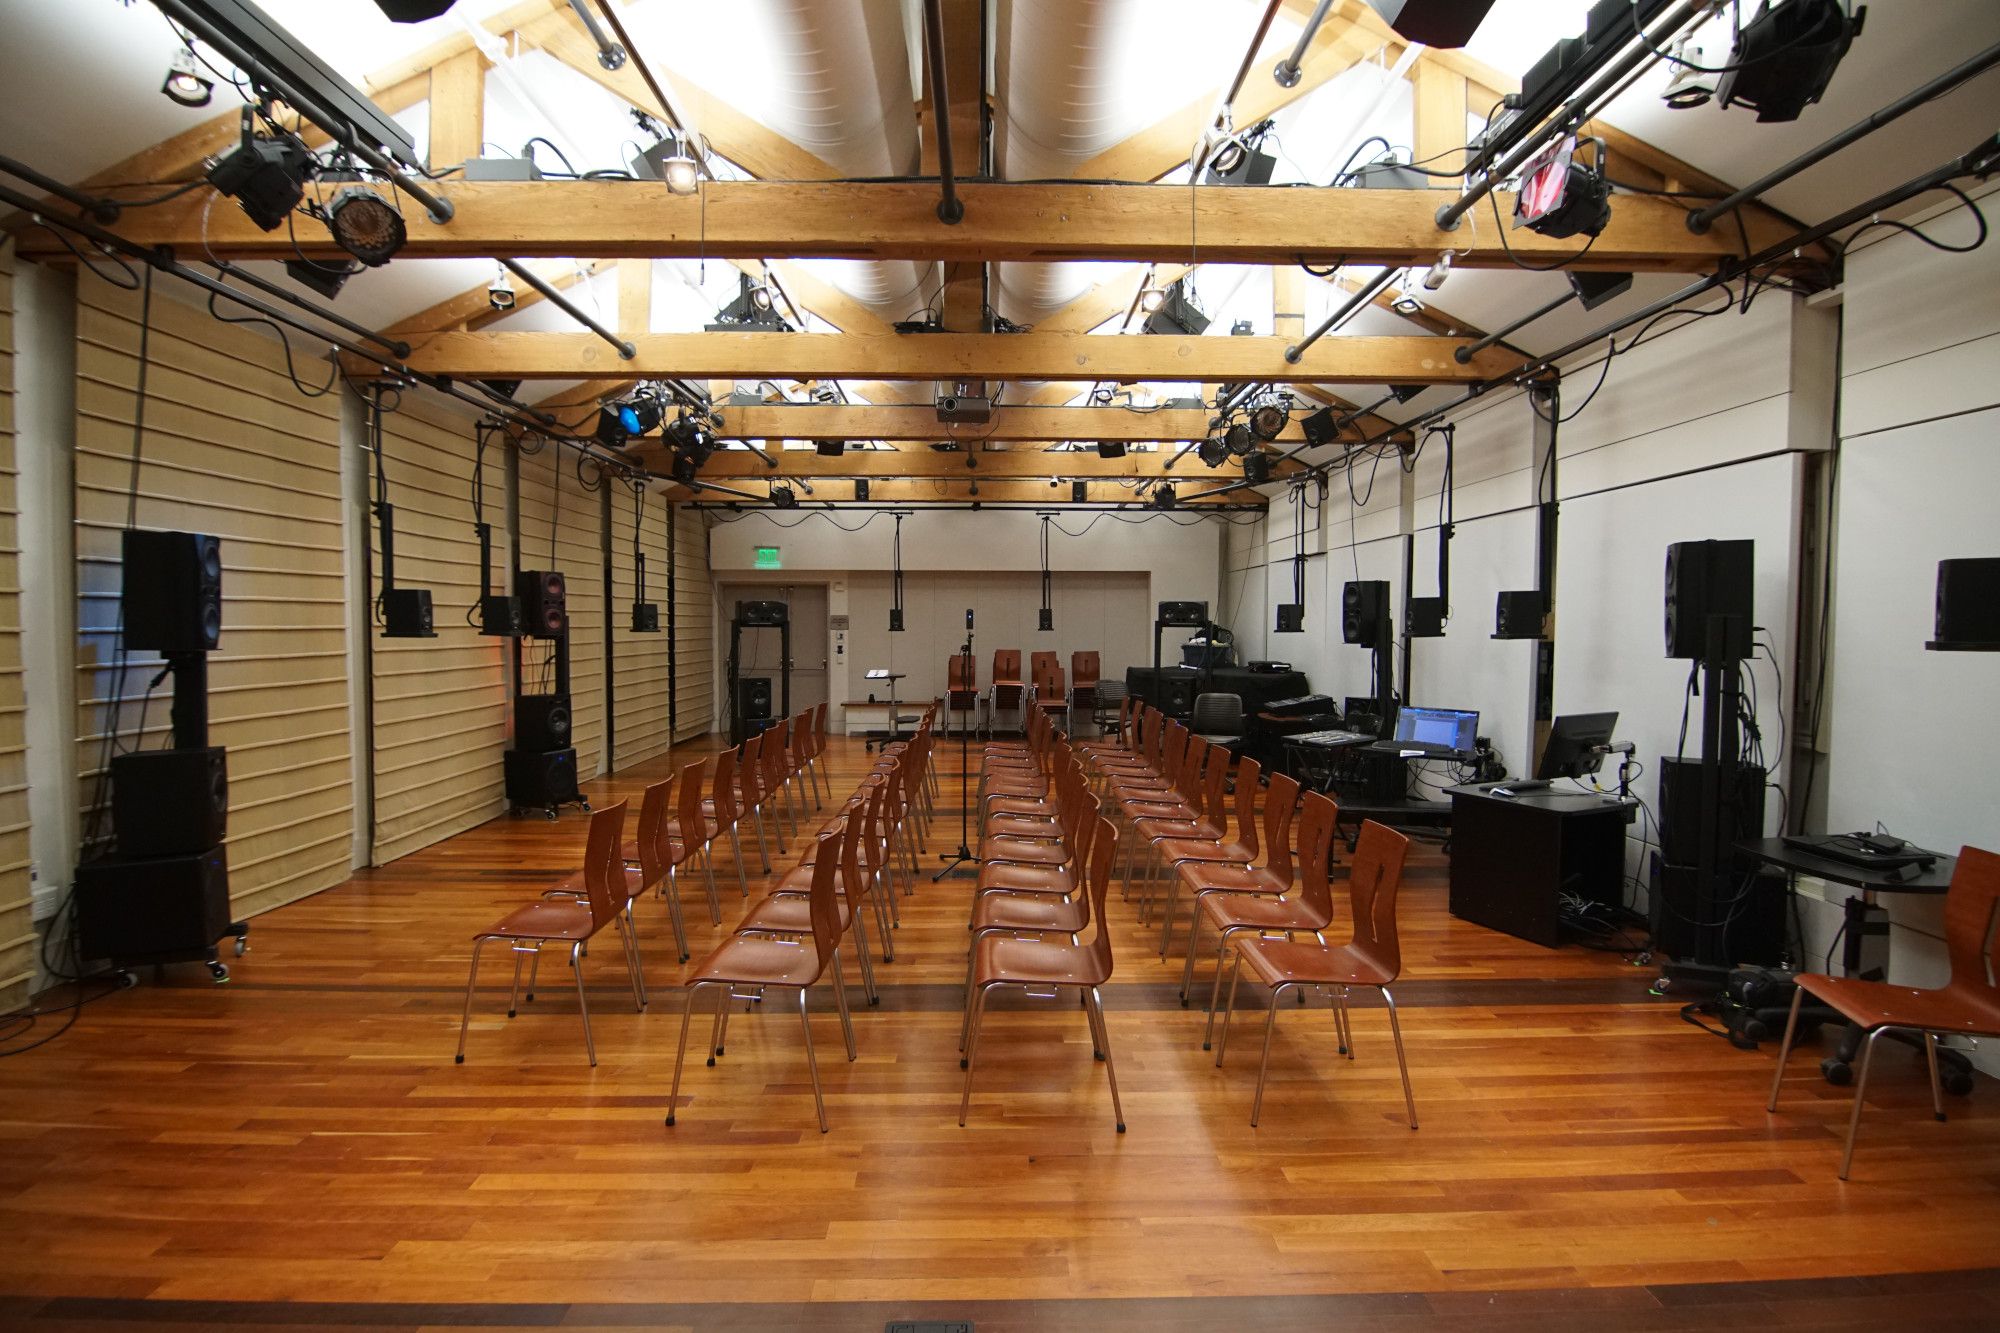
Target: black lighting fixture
x,y
896,577
683,469
1240,441
366,225
830,448
610,431
1178,314
1561,197
1292,614
1214,451
691,436
185,83
1163,497
783,496
265,176
1045,619
319,276
500,291
1111,448
750,312
641,414
1785,56
413,11
645,614
1267,420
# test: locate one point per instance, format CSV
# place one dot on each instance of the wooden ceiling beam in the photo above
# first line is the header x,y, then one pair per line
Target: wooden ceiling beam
x,y
898,220
895,490
473,308
804,421
939,356
1026,464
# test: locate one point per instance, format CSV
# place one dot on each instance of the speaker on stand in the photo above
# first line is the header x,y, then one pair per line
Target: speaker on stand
x,y
541,770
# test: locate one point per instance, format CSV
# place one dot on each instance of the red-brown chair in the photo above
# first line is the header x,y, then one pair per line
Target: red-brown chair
x,y
565,920
1968,1004
788,910
1232,911
1008,689
689,832
721,810
961,691
1372,958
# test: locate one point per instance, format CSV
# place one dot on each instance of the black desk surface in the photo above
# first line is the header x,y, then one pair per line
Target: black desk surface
x,y
1558,801
1773,851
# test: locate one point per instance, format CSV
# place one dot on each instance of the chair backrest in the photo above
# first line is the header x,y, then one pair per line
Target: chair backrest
x,y
651,834
1215,786
1041,663
1084,669
1281,800
1248,771
1969,909
723,792
961,679
1218,714
694,829
1372,882
819,728
750,768
1007,666
1316,823
603,867
773,756
804,737
1103,844
825,901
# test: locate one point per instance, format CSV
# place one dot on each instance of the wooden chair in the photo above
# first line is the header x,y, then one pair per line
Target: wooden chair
x,y
643,865
798,759
1213,848
759,962
1002,960
565,920
1008,688
1372,958
1310,909
750,783
961,690
1084,671
788,910
1968,1004
722,811
688,832
1205,879
819,748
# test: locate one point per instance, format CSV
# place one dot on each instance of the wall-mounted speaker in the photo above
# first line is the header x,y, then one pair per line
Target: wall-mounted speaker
x,y
1291,618
172,595
645,617
1423,617
1517,614
1705,579
541,722
157,908
1968,605
763,615
169,802
1321,427
544,603
540,777
1444,23
1184,614
500,615
406,614
753,698
1364,609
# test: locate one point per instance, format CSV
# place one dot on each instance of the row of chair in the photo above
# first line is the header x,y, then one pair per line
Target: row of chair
x,y
1045,689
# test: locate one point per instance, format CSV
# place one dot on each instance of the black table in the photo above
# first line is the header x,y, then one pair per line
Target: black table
x,y
1513,858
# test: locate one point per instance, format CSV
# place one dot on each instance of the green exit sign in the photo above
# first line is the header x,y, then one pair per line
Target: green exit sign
x,y
767,558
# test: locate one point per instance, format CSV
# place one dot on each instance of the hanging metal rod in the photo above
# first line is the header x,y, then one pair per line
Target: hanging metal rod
x,y
576,312
100,210
610,54
394,346
950,209
1369,291
1464,354
1287,72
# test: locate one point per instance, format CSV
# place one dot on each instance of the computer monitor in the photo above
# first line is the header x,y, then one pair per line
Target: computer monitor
x,y
1576,745
1453,728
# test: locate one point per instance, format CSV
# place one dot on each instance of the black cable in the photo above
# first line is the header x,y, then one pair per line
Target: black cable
x,y
1639,30
1500,226
285,342
1965,199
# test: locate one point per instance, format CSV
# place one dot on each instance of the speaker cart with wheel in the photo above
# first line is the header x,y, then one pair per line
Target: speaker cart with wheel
x,y
541,769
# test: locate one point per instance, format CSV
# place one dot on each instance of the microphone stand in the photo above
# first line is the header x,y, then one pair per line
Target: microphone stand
x,y
963,856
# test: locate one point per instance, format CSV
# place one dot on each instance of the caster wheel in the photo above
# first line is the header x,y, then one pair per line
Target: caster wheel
x,y
549,815
242,945
127,980
1957,1082
1756,1030
219,972
1836,1071
586,806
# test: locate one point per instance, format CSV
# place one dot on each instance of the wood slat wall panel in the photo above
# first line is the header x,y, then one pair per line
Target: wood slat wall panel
x,y
694,636
440,704
551,495
638,661
232,448
17,933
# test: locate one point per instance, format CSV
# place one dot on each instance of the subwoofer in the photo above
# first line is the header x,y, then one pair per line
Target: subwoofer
x,y
753,698
152,909
1364,608
169,802
1755,913
544,603
540,777
541,722
1740,812
172,596
1704,579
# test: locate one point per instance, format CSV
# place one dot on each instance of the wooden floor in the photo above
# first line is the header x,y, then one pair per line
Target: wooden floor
x,y
297,1147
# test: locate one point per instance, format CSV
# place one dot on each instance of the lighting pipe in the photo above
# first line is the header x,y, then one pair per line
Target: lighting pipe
x,y
1287,71
1464,353
609,53
550,292
659,90
1573,110
1368,292
1703,218
949,210
99,210
1223,103
336,127
394,346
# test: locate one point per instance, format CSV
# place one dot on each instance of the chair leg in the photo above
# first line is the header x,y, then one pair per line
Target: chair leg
x,y
1264,1065
1193,944
634,964
1937,1088
1215,987
1860,1092
1229,1005
582,1003
840,1003
1343,1022
672,884
763,843
465,1020
715,1028
972,1018
514,992
680,1056
1402,1064
534,971
736,847
859,928
708,872
1785,1046
722,1024
812,1061
1170,893
1094,1004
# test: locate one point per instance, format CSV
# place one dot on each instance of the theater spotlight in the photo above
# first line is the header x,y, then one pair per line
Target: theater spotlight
x,y
366,225
1239,441
783,496
1435,275
610,431
678,168
500,291
641,415
1561,197
1163,497
1213,451
1152,300
1785,57
266,177
684,469
1268,421
185,83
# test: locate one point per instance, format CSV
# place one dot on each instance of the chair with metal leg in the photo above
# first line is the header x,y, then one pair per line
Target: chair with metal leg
x,y
750,787
1372,958
1967,1005
1261,908
565,920
777,780
722,810
690,833
1050,964
642,866
787,910
745,966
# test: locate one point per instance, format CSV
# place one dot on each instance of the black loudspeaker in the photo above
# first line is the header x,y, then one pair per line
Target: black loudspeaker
x,y
1433,22
1753,906
1364,605
541,777
406,614
1711,578
645,617
1186,614
1322,427
541,722
1423,617
544,603
413,11
1291,618
169,802
1170,689
172,598
1518,614
500,615
753,698
762,614
1741,813
1968,605
157,909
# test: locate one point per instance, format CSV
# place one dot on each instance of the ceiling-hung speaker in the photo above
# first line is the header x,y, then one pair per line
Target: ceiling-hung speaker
x,y
1322,427
413,11
1433,22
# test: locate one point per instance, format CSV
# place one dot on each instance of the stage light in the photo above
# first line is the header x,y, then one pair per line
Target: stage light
x,y
639,416
185,83
1691,85
1435,275
610,431
1785,56
366,225
266,177
1152,299
783,496
500,291
1560,197
1409,298
1213,451
1163,497
1238,440
760,297
684,469
324,278
678,168
1268,421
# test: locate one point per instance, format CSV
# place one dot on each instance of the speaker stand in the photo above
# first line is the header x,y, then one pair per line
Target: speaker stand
x,y
963,856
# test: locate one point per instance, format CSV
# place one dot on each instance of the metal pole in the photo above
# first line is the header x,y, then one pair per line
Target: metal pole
x,y
1287,72
394,346
1449,214
1464,354
949,210
100,210
609,53
336,127
1701,219
1369,291
576,312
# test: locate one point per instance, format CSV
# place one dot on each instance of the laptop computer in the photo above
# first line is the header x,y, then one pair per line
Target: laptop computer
x,y
1438,733
1871,851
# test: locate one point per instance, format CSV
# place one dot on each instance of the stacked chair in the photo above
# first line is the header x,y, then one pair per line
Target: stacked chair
x,y
1242,882
688,832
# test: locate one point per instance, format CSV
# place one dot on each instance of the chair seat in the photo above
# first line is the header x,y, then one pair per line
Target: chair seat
x,y
1169,811
1023,805
636,882
1022,849
1004,911
787,914
756,960
1229,877
1010,877
1288,962
1205,849
708,830
1183,830
1026,788
1874,1004
1002,958
1022,826
1246,911
550,919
